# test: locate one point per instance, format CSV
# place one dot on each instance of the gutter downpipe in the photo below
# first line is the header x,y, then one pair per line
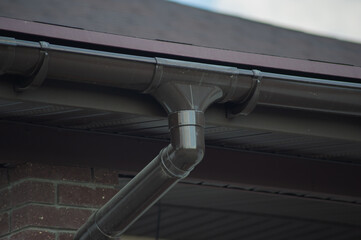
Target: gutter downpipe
x,y
185,104
185,90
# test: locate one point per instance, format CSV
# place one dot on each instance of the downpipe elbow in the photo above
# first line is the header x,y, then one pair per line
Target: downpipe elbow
x,y
187,143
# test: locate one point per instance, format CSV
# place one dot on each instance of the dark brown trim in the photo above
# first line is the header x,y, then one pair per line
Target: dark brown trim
x,y
180,50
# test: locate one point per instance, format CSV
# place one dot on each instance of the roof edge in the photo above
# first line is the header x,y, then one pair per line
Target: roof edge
x,y
179,49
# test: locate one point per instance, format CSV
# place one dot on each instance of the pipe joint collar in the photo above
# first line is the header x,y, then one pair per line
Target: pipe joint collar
x,y
169,166
186,118
40,72
249,102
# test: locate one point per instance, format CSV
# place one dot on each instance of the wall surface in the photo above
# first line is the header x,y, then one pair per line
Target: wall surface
x,y
50,202
43,202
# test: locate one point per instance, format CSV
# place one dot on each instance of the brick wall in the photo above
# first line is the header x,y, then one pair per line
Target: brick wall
x,y
46,202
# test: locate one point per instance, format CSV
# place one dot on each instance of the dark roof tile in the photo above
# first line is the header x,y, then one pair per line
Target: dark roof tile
x,y
156,19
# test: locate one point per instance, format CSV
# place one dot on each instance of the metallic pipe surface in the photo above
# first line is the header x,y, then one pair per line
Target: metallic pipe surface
x,y
77,65
145,73
173,163
100,68
310,94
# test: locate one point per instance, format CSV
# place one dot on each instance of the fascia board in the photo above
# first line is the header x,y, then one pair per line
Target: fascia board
x,y
179,50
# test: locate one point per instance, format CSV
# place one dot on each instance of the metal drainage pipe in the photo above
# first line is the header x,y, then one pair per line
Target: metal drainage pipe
x,y
173,163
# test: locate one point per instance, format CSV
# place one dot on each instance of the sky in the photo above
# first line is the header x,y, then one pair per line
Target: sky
x,y
332,18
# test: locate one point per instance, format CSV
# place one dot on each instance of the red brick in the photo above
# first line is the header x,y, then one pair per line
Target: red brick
x,y
33,235
84,196
66,236
35,170
3,177
33,191
106,176
5,199
49,216
4,224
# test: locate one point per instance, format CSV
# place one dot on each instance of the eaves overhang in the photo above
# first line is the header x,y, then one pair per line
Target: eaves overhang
x,y
287,133
273,150
283,128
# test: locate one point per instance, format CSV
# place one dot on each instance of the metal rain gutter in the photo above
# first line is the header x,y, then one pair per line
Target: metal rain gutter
x,y
185,90
37,60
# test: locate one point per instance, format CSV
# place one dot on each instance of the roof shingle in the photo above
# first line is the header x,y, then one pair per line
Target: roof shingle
x,y
168,21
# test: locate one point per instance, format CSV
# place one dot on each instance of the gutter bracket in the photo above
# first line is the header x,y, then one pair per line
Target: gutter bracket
x,y
37,77
157,77
247,105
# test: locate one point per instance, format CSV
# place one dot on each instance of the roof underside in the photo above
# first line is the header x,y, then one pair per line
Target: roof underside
x,y
199,211
156,127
